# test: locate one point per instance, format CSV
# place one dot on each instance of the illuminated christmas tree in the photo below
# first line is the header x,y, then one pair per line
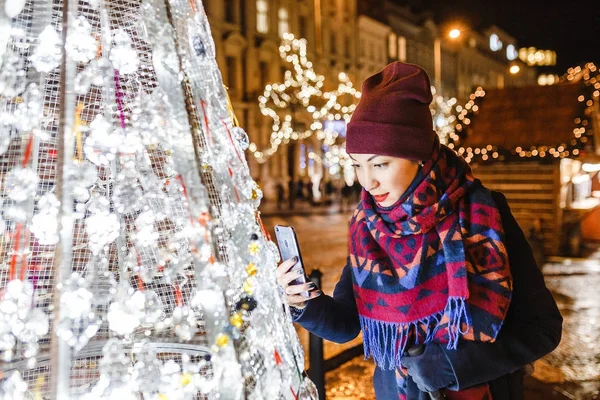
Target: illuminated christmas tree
x,y
299,106
133,262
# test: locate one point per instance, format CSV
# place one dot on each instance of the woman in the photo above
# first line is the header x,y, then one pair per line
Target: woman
x,y
435,258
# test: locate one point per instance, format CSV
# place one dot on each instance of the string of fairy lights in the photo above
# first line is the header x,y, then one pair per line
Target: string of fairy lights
x,y
302,91
582,133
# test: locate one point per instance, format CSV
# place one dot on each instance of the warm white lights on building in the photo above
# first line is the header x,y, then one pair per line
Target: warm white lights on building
x,y
514,69
549,79
533,56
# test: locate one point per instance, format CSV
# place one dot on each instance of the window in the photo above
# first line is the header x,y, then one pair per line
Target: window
x,y
231,64
402,48
495,42
511,52
262,16
332,43
347,49
229,10
284,21
302,26
264,73
392,46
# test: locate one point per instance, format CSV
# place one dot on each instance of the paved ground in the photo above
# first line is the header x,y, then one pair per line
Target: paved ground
x,y
572,371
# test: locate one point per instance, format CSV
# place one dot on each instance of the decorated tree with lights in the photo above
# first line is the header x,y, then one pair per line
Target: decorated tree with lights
x,y
444,117
133,262
299,107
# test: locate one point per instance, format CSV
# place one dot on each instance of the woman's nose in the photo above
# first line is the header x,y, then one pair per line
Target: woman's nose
x,y
370,182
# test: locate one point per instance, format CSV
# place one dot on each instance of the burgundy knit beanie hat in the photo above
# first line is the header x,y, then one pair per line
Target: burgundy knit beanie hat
x,y
392,117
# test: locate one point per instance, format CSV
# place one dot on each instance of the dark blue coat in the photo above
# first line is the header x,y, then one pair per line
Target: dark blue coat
x,y
532,327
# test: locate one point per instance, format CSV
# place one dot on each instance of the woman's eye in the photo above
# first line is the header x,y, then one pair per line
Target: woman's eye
x,y
382,165
355,165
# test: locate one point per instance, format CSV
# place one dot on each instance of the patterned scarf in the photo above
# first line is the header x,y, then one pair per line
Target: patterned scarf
x,y
433,267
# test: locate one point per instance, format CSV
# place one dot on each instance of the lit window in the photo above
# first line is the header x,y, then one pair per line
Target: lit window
x,y
495,42
392,46
262,16
402,48
511,52
284,22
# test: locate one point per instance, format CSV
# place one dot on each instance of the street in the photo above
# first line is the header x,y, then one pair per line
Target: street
x,y
572,371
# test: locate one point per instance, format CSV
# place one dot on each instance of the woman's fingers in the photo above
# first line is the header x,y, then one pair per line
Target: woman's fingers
x,y
303,289
297,293
302,292
285,266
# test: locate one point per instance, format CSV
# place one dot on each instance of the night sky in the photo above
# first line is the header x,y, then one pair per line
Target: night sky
x,y
571,29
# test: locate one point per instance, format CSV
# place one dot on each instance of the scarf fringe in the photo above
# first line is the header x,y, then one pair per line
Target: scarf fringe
x,y
386,341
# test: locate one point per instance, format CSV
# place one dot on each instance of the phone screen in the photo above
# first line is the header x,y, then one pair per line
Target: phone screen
x,y
288,247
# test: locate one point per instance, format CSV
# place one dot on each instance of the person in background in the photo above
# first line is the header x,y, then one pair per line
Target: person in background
x,y
280,193
346,198
439,278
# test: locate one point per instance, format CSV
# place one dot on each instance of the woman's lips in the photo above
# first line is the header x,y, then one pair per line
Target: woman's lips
x,y
381,197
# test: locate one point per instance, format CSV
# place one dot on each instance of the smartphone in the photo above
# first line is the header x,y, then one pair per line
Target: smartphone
x,y
288,247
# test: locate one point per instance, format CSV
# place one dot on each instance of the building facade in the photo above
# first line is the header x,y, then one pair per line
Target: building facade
x,y
357,37
247,35
455,66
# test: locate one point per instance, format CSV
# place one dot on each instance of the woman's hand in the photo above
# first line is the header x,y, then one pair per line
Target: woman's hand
x,y
296,294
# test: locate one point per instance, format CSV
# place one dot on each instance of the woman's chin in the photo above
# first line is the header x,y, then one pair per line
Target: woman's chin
x,y
386,203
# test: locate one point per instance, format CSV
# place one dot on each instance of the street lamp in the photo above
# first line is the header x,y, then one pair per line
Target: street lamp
x,y
454,33
437,64
437,57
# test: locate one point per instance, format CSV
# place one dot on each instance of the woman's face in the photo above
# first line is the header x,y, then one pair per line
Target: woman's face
x,y
385,178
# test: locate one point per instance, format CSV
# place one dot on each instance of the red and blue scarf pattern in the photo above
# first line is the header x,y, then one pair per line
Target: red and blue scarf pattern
x,y
433,267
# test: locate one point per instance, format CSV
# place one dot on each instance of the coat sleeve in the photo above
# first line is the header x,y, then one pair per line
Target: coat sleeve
x,y
533,324
333,318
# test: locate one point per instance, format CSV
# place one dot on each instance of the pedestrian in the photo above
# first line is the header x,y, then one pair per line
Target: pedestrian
x,y
329,192
310,197
300,189
280,193
346,197
435,259
291,193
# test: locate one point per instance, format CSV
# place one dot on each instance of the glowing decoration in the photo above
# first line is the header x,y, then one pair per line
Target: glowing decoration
x,y
547,79
582,133
537,57
81,45
301,93
12,8
48,52
511,52
134,260
495,42
444,120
